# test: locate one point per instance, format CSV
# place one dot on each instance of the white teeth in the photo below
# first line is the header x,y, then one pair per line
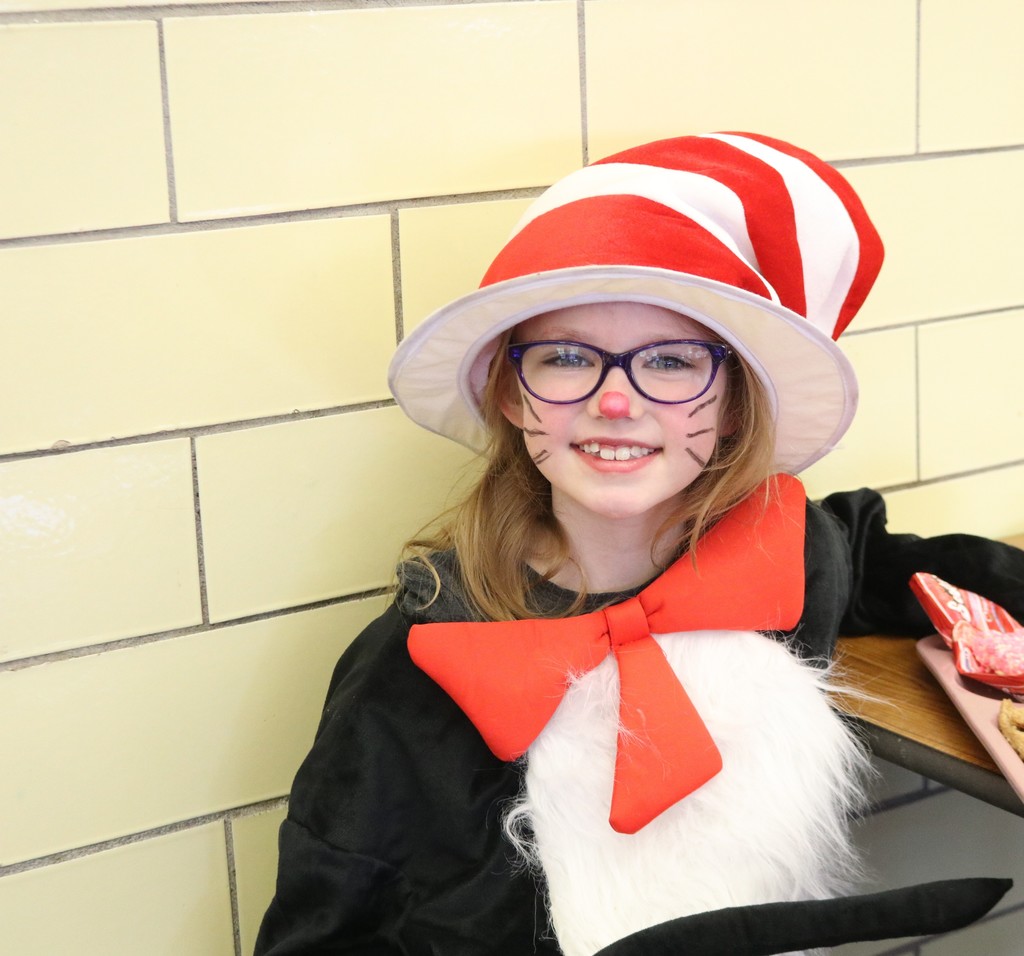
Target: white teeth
x,y
615,452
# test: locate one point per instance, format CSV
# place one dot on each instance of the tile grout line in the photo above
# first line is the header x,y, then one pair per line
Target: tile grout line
x,y
216,428
581,31
204,602
100,13
352,210
898,159
953,476
123,643
236,923
934,320
279,217
917,78
396,276
141,836
172,189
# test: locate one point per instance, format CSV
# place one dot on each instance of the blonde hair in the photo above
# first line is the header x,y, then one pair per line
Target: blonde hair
x,y
506,518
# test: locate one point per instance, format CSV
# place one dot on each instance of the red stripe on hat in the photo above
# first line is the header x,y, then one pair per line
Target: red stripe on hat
x,y
871,250
645,233
761,189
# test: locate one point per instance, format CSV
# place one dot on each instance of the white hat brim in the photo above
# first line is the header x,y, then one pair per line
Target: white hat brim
x,y
438,373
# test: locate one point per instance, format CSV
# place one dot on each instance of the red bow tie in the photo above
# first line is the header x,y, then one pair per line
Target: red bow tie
x,y
510,676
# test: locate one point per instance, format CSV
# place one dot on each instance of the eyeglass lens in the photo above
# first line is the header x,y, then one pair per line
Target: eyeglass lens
x,y
570,371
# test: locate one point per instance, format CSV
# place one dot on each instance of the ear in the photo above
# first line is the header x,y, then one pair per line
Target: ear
x,y
728,425
512,408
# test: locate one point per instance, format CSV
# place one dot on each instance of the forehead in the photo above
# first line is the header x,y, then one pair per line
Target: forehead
x,y
617,321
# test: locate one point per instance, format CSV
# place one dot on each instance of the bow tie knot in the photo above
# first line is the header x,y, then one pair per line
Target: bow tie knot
x,y
510,676
627,622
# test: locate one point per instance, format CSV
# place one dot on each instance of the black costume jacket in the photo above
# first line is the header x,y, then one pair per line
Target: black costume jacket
x,y
393,842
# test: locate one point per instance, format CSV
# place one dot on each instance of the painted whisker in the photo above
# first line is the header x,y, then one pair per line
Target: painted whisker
x,y
710,401
700,461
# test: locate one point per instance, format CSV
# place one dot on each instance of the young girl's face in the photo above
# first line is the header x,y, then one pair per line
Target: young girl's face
x,y
617,455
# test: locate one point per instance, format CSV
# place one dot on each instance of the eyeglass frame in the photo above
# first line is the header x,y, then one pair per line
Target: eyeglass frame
x,y
719,353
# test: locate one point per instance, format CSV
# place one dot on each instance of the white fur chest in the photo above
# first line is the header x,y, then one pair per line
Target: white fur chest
x,y
771,826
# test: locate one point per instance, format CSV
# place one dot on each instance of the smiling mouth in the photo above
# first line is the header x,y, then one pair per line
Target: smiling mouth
x,y
615,452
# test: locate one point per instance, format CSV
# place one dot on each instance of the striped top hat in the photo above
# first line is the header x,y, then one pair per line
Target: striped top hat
x,y
760,241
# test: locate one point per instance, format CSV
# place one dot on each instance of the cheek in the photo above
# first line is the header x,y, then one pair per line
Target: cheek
x,y
702,424
536,436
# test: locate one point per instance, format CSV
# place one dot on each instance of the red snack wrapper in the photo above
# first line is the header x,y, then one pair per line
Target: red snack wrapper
x,y
945,604
987,642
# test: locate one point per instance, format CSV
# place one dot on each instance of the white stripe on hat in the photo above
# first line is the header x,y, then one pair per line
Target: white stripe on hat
x,y
706,201
825,232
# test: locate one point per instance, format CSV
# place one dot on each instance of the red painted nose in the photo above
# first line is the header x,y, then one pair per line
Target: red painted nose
x,y
614,405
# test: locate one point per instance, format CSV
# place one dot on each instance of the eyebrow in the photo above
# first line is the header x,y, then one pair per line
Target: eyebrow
x,y
574,335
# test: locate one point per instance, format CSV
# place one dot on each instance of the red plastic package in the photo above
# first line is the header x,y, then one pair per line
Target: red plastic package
x,y
987,642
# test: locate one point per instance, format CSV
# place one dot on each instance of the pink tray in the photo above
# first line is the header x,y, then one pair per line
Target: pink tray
x,y
978,705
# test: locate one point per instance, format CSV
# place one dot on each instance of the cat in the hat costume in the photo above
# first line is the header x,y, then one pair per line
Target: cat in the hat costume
x,y
596,717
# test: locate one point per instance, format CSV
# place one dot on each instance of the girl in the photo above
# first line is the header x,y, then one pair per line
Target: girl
x,y
596,717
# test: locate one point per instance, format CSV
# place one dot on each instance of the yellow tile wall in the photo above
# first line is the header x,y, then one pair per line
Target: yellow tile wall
x,y
420,114
972,73
96,546
83,138
446,250
163,897
254,838
971,413
794,67
160,732
880,449
146,333
320,539
950,226
215,219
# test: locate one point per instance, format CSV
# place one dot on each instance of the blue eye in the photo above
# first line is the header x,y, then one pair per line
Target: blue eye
x,y
667,363
567,357
684,359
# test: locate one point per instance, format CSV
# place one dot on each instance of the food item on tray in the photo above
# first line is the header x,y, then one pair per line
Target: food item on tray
x,y
987,643
946,605
1011,725
996,652
993,658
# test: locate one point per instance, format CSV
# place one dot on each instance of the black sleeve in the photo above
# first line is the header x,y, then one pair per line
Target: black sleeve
x,y
393,841
882,564
827,583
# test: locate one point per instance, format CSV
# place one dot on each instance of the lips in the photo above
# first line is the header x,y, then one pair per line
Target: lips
x,y
615,452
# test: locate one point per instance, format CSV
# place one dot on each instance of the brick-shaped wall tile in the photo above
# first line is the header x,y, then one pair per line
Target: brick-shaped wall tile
x,y
972,403
303,511
147,735
793,69
320,109
881,446
446,251
988,503
951,229
51,6
95,546
81,127
972,74
255,844
149,333
163,897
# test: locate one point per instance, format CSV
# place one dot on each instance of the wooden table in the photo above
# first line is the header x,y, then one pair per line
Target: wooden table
x,y
910,721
